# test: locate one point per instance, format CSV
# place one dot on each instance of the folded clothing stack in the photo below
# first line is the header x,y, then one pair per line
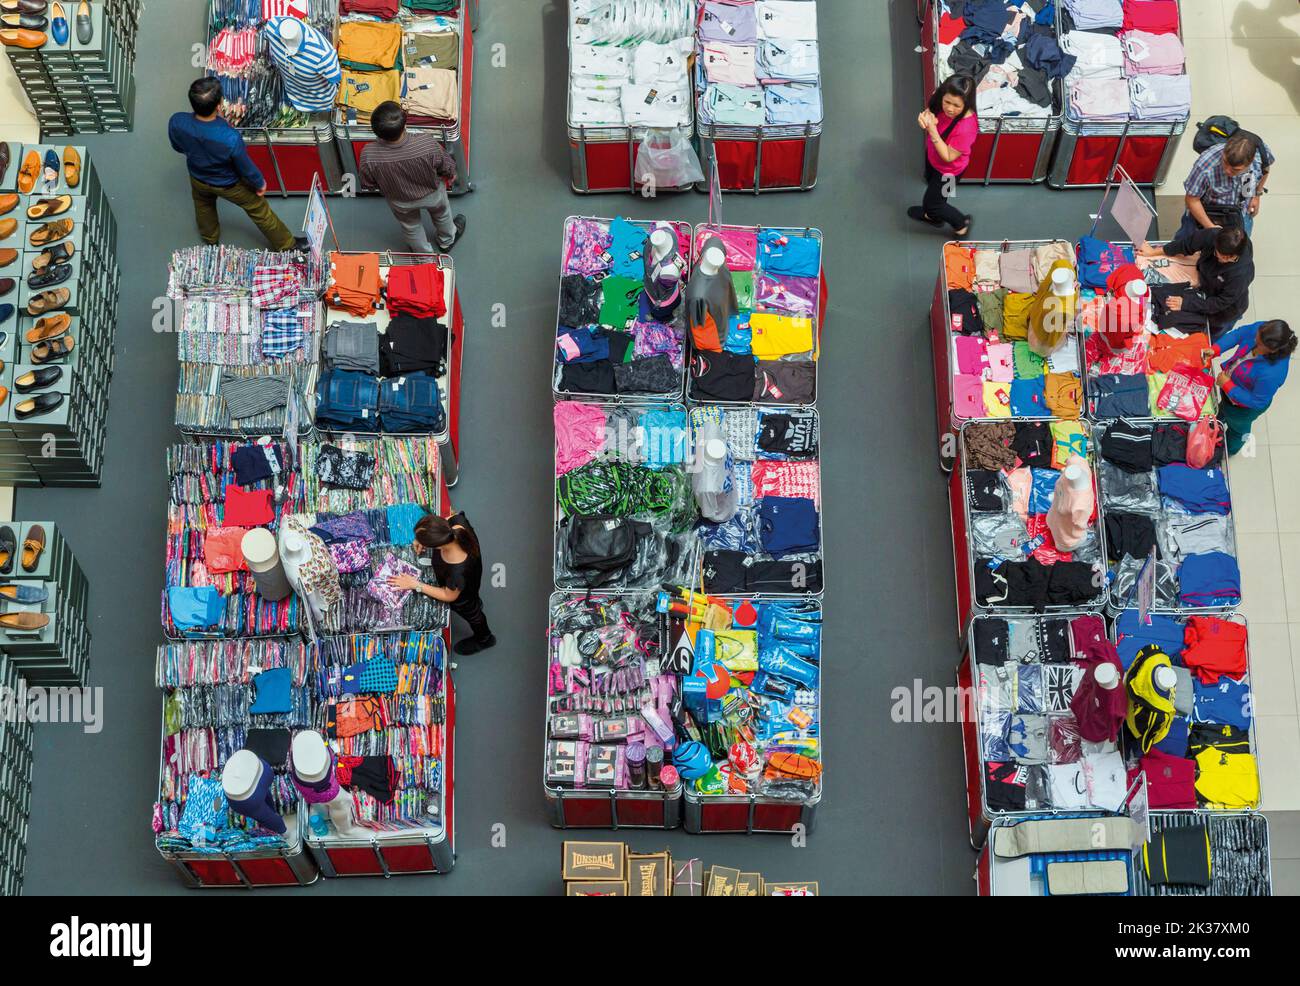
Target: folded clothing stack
x,y
768,351
1130,63
995,372
370,54
628,63
757,63
387,380
1010,51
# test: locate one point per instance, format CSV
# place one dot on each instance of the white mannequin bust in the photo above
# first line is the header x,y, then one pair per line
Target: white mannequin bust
x,y
1106,676
294,553
311,765
1137,290
661,243
241,775
1062,283
711,261
1076,476
290,32
1165,679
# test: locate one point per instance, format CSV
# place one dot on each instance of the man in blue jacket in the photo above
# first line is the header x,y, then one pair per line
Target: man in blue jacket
x,y
220,168
1252,375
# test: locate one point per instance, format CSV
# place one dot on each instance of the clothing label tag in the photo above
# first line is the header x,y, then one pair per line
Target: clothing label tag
x,y
651,96
728,27
365,412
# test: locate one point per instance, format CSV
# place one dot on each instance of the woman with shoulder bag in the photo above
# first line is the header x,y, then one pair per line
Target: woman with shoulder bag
x,y
951,127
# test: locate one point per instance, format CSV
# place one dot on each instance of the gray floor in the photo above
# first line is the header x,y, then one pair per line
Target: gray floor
x,y
893,818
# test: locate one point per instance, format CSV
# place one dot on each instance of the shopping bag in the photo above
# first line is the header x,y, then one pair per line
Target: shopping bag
x,y
666,159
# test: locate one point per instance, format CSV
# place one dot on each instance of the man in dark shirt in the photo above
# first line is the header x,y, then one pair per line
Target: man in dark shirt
x,y
1226,267
220,168
412,170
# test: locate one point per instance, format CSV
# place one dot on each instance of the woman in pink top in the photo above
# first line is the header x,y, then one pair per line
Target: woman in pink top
x,y
950,127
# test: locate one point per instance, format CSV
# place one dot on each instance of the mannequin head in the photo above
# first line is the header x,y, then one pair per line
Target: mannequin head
x,y
290,32
1062,282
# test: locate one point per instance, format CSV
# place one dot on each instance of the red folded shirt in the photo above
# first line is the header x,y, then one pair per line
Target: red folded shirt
x,y
416,290
1153,16
950,29
1214,647
1171,781
247,508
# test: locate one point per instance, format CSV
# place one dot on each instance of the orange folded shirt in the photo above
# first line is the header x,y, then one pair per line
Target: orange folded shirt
x,y
959,266
1168,352
354,286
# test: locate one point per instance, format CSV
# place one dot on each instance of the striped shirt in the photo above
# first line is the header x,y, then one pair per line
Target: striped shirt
x,y
410,170
1208,181
311,74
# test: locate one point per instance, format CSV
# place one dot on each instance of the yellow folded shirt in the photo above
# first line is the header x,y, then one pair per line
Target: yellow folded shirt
x,y
363,91
997,399
775,336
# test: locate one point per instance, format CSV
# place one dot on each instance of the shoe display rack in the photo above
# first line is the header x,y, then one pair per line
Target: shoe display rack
x,y
81,86
15,788
68,285
55,651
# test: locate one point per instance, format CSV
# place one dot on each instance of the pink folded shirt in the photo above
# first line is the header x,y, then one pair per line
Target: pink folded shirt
x,y
972,355
967,396
1152,54
1002,366
741,245
729,63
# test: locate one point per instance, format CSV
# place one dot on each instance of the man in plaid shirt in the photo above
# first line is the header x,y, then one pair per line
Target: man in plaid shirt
x,y
1225,184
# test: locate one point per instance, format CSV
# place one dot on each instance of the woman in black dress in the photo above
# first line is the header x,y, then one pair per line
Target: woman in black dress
x,y
453,548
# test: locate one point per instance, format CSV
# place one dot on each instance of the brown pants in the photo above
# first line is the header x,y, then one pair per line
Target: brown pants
x,y
259,210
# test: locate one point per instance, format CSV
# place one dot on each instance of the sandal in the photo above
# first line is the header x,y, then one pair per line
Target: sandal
x,y
50,232
45,352
56,254
49,208
48,301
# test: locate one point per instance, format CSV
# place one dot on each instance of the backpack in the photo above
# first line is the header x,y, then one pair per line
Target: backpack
x,y
602,547
1203,438
1217,129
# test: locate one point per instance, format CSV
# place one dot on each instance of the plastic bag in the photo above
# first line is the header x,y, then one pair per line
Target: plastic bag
x,y
666,159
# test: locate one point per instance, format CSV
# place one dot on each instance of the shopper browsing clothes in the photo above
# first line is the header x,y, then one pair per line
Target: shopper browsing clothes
x,y
452,547
1226,183
413,171
950,127
1252,375
1225,265
220,168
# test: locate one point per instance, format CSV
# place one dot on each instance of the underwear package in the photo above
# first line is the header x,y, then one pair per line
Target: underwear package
x,y
351,470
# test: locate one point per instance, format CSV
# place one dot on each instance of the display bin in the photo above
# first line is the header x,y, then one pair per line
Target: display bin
x,y
762,159
1009,149
964,555
454,136
449,383
986,873
980,817
683,230
1230,827
681,540
284,866
948,423
1088,154
752,814
292,158
823,299
402,852
574,808
1115,604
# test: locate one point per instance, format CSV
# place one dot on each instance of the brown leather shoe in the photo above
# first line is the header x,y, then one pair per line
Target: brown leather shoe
x,y
7,284
7,256
33,547
4,394
49,208
29,172
71,167
50,232
8,203
24,621
49,301
49,327
7,227
21,37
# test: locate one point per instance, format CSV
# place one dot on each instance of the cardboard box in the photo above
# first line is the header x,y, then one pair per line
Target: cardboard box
x,y
688,878
649,874
721,882
750,885
791,889
596,888
594,860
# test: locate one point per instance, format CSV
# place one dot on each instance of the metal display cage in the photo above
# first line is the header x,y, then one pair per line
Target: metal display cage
x,y
606,808
680,227
449,384
1009,149
819,319
941,335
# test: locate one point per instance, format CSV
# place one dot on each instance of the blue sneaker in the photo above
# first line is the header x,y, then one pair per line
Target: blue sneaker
x,y
24,594
6,313
59,24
